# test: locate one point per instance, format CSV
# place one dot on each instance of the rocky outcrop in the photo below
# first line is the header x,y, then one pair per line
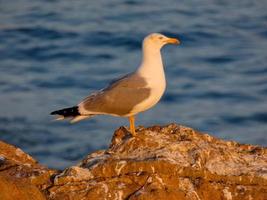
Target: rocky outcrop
x,y
21,177
171,162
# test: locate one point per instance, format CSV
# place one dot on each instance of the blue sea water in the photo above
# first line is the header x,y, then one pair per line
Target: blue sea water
x,y
54,53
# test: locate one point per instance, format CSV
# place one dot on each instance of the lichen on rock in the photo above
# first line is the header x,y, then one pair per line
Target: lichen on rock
x,y
161,162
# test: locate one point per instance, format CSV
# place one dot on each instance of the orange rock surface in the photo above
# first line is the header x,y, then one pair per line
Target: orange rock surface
x,y
170,162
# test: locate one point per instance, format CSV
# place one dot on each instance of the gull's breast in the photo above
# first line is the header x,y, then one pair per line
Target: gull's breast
x,y
156,88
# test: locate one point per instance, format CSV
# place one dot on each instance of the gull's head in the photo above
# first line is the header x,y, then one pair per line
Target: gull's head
x,y
157,41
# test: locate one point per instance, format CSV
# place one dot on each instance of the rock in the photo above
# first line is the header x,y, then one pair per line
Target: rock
x,y
171,162
21,177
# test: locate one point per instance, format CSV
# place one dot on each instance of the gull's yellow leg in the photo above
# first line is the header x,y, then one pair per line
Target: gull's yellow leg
x,y
132,126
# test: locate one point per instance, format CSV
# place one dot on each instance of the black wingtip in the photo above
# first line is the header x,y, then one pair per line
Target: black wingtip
x,y
67,112
53,113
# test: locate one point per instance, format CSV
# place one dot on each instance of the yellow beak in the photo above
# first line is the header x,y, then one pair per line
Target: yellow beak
x,y
173,41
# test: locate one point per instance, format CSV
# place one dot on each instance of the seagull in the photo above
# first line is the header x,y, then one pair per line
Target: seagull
x,y
130,94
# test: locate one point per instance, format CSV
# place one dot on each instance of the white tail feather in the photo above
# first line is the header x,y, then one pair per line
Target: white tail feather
x,y
60,117
79,118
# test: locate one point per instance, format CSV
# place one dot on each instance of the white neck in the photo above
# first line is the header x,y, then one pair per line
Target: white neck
x,y
151,65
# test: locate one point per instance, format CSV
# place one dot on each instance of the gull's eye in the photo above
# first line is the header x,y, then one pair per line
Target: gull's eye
x,y
160,37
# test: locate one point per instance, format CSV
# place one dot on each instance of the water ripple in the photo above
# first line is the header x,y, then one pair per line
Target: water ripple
x,y
41,32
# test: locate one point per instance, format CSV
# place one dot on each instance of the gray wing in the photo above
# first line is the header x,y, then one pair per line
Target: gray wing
x,y
119,97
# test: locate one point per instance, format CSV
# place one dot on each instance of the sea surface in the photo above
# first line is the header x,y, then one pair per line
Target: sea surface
x,y
53,53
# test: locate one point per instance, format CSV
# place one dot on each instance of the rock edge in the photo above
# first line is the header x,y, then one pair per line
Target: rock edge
x,y
162,162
